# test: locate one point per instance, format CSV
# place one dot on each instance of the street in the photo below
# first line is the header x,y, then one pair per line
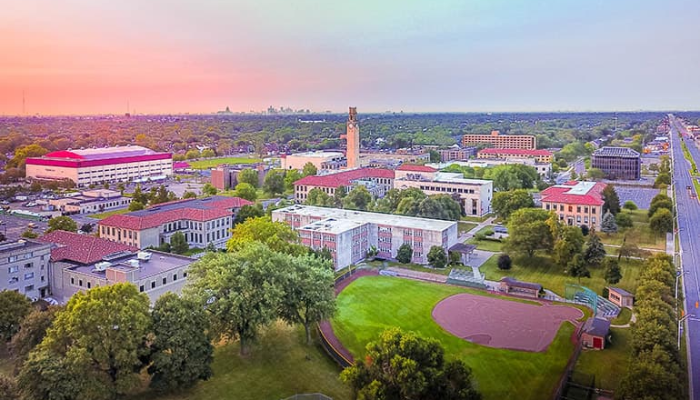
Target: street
x,y
688,214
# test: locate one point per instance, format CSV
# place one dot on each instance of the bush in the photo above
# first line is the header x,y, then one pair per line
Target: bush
x,y
504,262
404,254
585,230
488,232
623,220
629,205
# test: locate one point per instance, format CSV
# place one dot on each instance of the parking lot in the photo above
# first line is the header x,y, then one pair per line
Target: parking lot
x,y
13,226
640,196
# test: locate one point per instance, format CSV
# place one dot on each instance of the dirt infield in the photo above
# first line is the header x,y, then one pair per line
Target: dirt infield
x,y
501,323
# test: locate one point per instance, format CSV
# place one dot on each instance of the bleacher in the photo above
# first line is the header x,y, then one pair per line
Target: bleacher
x,y
607,309
464,277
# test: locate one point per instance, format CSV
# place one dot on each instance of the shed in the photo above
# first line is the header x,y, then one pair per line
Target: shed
x,y
514,286
620,297
595,333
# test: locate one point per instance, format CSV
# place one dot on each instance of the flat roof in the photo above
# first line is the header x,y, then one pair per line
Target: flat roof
x,y
318,154
364,217
624,152
21,245
159,263
332,225
455,177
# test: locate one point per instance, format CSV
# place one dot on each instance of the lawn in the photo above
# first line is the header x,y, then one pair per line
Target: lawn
x,y
280,365
466,226
477,219
109,213
371,304
213,162
640,234
413,267
541,269
623,318
608,365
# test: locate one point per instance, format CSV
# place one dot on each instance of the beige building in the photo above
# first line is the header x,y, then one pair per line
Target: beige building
x,y
495,139
24,267
352,136
540,156
323,160
91,201
377,181
576,203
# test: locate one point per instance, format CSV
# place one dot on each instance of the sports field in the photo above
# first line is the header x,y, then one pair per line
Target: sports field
x,y
371,304
213,162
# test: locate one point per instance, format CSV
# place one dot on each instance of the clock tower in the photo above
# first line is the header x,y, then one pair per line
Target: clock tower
x,y
352,136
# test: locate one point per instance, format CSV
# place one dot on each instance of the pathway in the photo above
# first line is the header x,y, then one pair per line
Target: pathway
x,y
633,319
463,237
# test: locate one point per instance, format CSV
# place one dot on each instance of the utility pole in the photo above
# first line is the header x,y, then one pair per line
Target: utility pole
x,y
680,321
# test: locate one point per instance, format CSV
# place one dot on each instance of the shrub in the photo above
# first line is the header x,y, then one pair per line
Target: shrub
x,y
629,205
504,262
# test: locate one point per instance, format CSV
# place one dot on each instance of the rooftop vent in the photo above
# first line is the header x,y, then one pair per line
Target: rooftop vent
x,y
101,266
134,263
143,256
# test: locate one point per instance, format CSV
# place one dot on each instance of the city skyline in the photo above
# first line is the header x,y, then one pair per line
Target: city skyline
x,y
412,56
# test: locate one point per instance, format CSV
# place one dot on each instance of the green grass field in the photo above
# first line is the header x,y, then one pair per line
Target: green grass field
x,y
213,162
623,318
639,234
372,304
477,219
541,269
109,213
465,226
608,365
280,365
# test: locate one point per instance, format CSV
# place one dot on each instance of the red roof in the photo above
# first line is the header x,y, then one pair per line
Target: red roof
x,y
85,249
516,152
561,194
345,178
199,210
416,168
77,163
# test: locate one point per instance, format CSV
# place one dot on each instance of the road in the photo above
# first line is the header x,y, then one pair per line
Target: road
x,y
688,211
578,166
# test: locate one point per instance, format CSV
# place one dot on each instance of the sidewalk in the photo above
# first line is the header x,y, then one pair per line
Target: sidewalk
x,y
463,237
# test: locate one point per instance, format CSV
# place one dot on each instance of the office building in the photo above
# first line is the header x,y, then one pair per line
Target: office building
x,y
540,156
576,203
225,177
377,180
617,162
90,201
495,139
457,154
24,267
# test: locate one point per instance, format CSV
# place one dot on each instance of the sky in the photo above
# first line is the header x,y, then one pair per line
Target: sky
x,y
200,56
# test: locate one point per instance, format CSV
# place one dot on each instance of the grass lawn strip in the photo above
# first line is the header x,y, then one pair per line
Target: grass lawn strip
x,y
371,304
466,226
623,318
109,213
213,162
608,365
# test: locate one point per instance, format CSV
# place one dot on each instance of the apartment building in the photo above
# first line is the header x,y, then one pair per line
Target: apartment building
x,y
24,267
457,154
540,156
350,234
202,221
91,201
617,162
474,194
576,203
377,180
225,177
495,139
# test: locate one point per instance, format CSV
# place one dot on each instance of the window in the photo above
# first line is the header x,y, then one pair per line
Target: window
x,y
184,274
12,269
174,277
153,285
165,280
80,282
89,285
571,208
14,279
141,288
29,275
592,210
578,209
72,280
28,288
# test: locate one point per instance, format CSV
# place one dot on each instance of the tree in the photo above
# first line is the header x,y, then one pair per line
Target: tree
x,y
595,174
96,346
189,195
662,179
208,153
439,206
178,243
241,291
512,176
402,365
278,236
317,197
608,224
32,331
504,262
652,375
359,198
35,187
577,268
181,350
29,234
8,388
659,203
209,190
434,156
528,231
661,222
309,297
624,220
437,257
568,244
585,230
249,176
595,251
62,223
87,227
136,206
14,306
611,201
629,205
139,196
274,182
248,211
613,274
404,254
505,203
246,191
291,176
192,154
24,152
309,169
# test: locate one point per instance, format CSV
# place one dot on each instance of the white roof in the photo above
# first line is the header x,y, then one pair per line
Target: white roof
x,y
332,225
581,188
318,154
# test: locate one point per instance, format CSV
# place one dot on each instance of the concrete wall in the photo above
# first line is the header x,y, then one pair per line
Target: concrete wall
x,y
28,272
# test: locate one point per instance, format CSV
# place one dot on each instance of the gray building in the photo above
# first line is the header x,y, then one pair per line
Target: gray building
x,y
617,162
24,267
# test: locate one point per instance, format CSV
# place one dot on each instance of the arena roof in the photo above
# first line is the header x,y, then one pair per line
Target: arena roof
x,y
97,157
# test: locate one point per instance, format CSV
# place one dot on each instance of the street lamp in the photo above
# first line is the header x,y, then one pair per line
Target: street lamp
x,y
680,321
679,273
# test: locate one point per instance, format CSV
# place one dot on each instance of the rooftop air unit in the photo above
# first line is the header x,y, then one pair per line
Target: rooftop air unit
x,y
101,266
134,263
143,256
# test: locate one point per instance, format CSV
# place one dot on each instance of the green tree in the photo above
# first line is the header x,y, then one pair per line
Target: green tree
x,y
278,236
246,191
613,273
629,205
661,222
29,234
662,179
577,268
208,153
624,220
505,203
437,257
24,152
181,349
14,307
178,243
291,176
35,187
409,206
434,156
567,245
241,291
652,375
32,331
309,169
595,174
529,231
248,211
139,196
512,176
47,375
359,198
659,203
504,262
249,176
209,190
402,365
309,297
274,182
192,154
611,201
135,206
439,206
62,223
595,250
404,254
317,197
87,227
189,195
608,224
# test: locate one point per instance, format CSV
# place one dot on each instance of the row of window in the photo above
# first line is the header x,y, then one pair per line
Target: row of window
x,y
447,189
28,276
570,208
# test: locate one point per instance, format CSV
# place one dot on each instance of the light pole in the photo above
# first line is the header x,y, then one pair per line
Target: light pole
x,y
679,273
680,321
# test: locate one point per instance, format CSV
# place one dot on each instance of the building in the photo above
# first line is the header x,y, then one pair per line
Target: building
x,y
378,181
225,177
379,160
352,136
108,164
544,170
202,221
541,156
457,154
595,333
617,162
513,286
82,262
350,234
495,139
323,160
474,194
620,297
91,201
576,203
24,267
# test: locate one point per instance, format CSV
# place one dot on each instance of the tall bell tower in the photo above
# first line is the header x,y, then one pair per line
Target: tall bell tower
x,y
352,135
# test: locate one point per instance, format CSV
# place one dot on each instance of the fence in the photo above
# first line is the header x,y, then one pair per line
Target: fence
x,y
335,354
566,376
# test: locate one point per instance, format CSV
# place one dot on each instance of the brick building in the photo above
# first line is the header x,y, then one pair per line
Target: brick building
x,y
495,139
377,180
617,162
225,177
542,156
576,203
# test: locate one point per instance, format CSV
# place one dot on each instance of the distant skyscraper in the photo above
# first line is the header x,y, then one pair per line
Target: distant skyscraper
x,y
352,136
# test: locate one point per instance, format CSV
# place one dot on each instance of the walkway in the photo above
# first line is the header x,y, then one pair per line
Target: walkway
x,y
469,234
633,319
